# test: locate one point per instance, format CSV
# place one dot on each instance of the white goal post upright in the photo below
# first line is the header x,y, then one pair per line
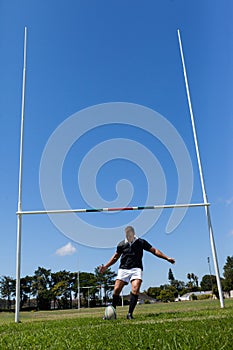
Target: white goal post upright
x,y
19,215
207,210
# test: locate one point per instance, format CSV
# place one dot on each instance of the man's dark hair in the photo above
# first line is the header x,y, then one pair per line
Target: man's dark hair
x,y
129,228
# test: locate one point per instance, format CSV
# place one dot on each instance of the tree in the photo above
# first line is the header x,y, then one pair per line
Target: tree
x,y
193,282
25,290
179,285
153,292
171,277
88,287
62,283
228,274
168,294
189,278
41,288
106,280
7,288
208,282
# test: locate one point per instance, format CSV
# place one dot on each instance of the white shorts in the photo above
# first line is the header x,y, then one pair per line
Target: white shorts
x,y
129,275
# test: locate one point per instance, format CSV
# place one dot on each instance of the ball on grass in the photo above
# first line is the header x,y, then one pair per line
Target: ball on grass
x,y
110,313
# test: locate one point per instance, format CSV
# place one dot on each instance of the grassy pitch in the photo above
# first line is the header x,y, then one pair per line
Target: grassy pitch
x,y
184,325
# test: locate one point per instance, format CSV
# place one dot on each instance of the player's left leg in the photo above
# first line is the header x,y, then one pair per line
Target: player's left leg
x,y
136,284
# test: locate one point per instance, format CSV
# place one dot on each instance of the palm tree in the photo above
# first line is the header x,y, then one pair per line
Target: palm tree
x,y
189,277
195,279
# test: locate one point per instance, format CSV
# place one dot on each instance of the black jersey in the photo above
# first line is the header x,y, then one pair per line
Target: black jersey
x,y
131,254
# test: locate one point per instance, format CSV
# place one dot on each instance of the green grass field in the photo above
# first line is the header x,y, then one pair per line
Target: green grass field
x,y
184,325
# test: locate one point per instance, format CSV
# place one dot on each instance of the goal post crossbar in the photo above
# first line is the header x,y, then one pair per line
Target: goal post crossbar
x,y
96,210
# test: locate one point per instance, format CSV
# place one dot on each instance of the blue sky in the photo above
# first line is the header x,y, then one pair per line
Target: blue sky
x,y
82,54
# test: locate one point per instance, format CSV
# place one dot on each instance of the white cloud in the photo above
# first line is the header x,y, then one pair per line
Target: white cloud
x,y
67,249
229,201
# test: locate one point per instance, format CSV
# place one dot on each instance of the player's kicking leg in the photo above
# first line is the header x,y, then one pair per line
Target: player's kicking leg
x,y
116,293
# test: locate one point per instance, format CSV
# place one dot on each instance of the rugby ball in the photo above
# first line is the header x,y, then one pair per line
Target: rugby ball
x,y
110,313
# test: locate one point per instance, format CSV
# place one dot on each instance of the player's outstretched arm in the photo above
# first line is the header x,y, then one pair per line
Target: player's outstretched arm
x,y
112,261
161,255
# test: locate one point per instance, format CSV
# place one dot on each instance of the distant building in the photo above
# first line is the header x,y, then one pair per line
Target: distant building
x,y
142,298
228,294
189,296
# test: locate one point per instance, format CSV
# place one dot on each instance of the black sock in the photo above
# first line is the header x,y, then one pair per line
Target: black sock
x,y
133,302
115,300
